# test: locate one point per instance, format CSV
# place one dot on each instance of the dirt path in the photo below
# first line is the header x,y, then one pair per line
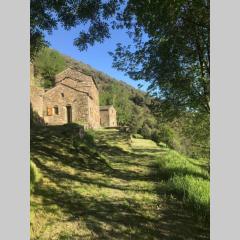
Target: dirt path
x,y
110,193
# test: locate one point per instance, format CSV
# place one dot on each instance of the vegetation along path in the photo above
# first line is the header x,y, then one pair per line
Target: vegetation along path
x,y
107,190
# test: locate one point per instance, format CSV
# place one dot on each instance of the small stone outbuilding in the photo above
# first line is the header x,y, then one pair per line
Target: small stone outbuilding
x,y
108,116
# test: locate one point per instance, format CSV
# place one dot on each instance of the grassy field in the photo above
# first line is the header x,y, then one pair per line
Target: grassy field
x,y
117,188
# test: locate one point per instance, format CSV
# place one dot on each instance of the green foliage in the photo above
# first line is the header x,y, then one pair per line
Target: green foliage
x,y
119,94
195,193
35,176
146,131
187,132
175,55
89,137
138,136
196,132
96,180
187,179
167,135
48,63
48,15
156,136
72,130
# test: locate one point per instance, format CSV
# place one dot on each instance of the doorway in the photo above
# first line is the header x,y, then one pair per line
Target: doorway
x,y
69,114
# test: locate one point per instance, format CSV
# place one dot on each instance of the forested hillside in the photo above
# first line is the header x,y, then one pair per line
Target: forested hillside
x,y
127,100
187,133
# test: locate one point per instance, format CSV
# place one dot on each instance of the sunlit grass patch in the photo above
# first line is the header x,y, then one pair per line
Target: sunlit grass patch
x,y
173,163
105,190
195,193
188,179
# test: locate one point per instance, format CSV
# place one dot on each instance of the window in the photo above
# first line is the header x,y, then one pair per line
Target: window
x,y
62,94
49,111
56,110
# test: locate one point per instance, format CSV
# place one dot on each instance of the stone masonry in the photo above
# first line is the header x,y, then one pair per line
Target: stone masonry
x,y
74,98
108,116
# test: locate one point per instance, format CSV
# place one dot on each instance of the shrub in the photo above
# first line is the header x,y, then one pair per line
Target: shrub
x,y
89,137
146,131
35,176
156,136
167,135
161,144
138,136
48,63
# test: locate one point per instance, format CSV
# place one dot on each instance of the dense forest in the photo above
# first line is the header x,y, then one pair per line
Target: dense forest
x,y
187,132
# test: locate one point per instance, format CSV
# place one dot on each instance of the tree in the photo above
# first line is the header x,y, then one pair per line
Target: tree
x,y
48,63
175,57
47,15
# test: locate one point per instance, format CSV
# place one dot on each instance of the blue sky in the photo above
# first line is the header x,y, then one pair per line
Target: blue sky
x,y
96,56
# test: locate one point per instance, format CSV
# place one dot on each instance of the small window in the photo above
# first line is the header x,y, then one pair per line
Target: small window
x,y
62,94
49,111
56,110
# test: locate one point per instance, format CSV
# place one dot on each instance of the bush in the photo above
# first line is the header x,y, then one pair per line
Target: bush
x,y
138,136
89,137
161,144
167,135
35,176
146,131
156,136
48,63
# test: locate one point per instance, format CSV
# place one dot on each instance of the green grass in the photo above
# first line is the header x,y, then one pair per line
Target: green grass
x,y
106,189
188,179
35,176
195,193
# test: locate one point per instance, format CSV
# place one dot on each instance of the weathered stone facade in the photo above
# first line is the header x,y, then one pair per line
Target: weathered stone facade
x,y
108,116
74,98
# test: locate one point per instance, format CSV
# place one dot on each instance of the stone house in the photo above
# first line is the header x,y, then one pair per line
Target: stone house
x,y
74,98
108,116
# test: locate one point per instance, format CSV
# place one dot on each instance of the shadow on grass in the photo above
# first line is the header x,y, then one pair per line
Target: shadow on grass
x,y
105,218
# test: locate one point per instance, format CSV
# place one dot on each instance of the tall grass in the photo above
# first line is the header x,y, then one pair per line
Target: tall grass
x,y
35,176
188,180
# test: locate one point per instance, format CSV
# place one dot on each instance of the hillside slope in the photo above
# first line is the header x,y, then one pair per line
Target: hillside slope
x,y
108,190
127,100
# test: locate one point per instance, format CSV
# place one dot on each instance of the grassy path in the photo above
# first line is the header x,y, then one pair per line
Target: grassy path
x,y
110,191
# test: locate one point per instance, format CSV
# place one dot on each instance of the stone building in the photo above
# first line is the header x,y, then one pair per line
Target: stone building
x,y
108,116
74,98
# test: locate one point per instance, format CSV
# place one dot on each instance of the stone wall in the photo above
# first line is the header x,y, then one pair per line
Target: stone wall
x,y
108,116
112,117
31,74
36,99
61,97
84,84
104,116
74,89
94,112
73,74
